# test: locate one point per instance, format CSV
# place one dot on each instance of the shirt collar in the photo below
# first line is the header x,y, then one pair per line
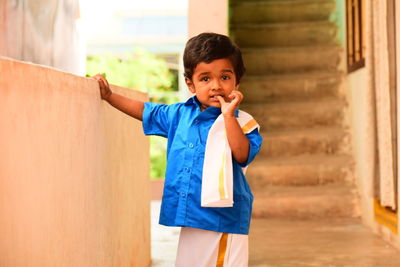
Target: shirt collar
x,y
194,101
191,101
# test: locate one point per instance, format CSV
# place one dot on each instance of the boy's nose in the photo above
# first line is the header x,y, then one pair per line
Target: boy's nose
x,y
216,85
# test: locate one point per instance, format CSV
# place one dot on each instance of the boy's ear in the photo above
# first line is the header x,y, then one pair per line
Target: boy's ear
x,y
190,85
237,86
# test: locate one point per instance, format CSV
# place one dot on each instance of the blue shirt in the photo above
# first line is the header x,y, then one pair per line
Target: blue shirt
x,y
186,128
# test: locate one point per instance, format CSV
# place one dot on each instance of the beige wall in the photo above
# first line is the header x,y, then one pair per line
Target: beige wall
x,y
208,16
397,26
362,102
363,132
74,185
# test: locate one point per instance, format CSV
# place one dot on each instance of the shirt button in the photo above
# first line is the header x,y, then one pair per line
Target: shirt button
x,y
186,169
196,121
191,145
183,195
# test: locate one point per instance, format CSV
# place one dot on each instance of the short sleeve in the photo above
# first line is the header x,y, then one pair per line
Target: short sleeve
x,y
157,118
255,140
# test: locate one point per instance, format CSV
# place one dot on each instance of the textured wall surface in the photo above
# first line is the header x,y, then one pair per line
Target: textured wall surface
x,y
74,185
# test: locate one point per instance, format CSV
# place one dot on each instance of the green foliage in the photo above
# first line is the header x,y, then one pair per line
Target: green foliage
x,y
144,72
158,147
140,70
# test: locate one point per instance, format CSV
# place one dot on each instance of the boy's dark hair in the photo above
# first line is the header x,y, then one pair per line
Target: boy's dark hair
x,y
207,47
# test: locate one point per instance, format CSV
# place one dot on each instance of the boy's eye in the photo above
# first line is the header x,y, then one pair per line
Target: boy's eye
x,y
205,79
225,77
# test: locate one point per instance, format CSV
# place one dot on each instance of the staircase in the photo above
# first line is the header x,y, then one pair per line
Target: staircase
x,y
293,89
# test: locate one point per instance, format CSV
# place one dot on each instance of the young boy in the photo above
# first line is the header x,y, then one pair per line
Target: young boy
x,y
210,236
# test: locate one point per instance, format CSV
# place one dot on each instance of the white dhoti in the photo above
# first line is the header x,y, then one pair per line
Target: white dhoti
x,y
202,248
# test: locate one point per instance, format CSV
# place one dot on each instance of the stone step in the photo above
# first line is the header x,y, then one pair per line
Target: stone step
x,y
307,114
324,141
280,87
303,170
264,61
328,201
281,11
285,34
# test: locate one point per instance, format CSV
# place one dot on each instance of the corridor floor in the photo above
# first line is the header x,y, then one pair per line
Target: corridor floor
x,y
286,243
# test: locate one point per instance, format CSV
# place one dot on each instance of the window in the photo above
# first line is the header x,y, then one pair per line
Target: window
x,y
355,11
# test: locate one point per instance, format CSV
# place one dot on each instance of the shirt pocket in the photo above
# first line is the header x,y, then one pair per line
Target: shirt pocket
x,y
246,210
231,219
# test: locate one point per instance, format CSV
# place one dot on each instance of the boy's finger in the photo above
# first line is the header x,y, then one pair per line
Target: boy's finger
x,y
106,82
97,76
234,96
102,82
238,95
102,85
221,99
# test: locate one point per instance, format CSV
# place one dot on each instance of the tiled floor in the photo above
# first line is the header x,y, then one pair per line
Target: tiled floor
x,y
164,240
327,243
290,243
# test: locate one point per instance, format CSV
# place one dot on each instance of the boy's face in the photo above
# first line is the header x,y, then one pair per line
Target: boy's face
x,y
212,79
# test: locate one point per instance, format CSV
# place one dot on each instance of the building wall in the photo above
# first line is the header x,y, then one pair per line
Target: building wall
x,y
44,32
205,16
361,93
162,31
74,173
361,103
208,16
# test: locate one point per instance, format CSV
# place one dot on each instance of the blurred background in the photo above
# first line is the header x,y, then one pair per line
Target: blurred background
x,y
322,80
138,45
